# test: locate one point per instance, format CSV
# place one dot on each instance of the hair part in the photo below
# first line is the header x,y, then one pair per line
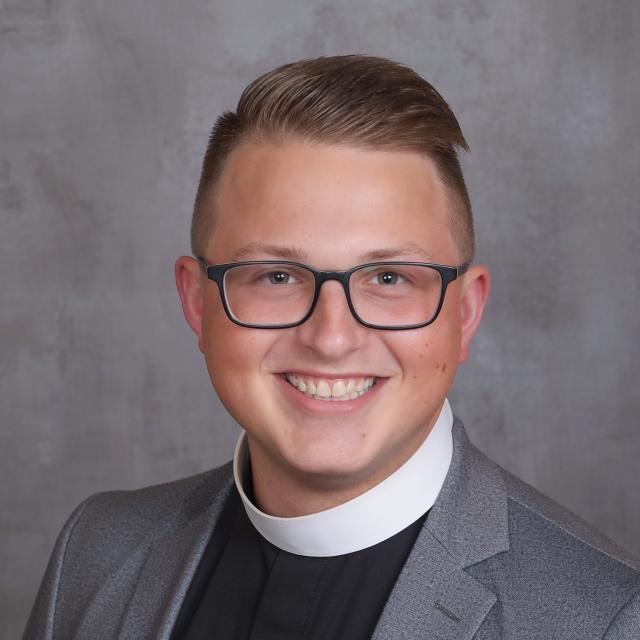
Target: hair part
x,y
357,100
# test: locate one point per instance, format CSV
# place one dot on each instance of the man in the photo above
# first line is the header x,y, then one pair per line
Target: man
x,y
333,296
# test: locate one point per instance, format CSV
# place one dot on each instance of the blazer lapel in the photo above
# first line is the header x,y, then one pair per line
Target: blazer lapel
x,y
434,597
171,561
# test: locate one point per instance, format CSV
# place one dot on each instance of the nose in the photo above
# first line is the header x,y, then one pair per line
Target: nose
x,y
332,332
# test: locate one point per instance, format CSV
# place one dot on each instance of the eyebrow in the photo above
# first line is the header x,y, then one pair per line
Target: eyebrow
x,y
295,254
405,251
252,249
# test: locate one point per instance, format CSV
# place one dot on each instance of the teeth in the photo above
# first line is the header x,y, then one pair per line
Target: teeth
x,y
337,390
323,389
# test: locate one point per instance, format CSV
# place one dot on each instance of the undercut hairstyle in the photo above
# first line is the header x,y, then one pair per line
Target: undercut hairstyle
x,y
357,100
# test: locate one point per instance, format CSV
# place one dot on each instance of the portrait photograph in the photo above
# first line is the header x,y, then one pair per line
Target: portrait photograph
x,y
320,320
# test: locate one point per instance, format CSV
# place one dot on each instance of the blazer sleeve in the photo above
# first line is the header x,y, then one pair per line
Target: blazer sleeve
x,y
626,624
40,625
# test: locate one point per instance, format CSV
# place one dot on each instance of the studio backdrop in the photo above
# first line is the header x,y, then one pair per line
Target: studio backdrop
x,y
105,109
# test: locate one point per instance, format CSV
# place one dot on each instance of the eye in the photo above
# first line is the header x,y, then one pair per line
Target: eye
x,y
388,277
279,277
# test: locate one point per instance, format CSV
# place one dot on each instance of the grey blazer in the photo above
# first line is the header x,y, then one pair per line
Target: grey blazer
x,y
495,560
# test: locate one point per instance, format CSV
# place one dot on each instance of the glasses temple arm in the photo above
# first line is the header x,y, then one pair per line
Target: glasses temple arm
x,y
203,263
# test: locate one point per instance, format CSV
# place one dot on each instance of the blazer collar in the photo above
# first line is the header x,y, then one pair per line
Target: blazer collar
x,y
434,596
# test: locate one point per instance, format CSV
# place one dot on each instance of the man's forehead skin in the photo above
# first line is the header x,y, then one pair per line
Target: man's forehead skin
x,y
292,200
259,249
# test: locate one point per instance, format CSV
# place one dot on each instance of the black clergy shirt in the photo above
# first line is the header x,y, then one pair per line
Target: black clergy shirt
x,y
245,588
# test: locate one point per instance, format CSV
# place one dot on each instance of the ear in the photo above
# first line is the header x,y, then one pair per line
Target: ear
x,y
190,285
476,284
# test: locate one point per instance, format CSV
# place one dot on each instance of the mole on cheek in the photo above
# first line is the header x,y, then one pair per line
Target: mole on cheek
x,y
444,367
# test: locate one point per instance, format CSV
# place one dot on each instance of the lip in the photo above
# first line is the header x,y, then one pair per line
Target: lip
x,y
314,407
330,376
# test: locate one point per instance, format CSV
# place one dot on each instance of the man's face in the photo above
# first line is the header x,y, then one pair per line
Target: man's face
x,y
335,206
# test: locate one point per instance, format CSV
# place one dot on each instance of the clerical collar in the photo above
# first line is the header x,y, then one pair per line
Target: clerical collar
x,y
373,516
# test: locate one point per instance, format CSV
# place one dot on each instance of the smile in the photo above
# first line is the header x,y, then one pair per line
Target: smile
x,y
334,390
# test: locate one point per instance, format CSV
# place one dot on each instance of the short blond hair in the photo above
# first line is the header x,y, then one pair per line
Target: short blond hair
x,y
362,100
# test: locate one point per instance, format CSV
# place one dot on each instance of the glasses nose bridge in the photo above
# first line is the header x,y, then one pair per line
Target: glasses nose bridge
x,y
341,276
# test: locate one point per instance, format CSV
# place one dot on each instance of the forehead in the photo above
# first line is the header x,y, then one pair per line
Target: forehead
x,y
332,202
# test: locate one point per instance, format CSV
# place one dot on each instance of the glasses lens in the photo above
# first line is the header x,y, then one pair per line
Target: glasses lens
x,y
395,295
268,294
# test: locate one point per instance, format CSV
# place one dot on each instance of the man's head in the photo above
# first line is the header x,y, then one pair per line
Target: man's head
x,y
321,195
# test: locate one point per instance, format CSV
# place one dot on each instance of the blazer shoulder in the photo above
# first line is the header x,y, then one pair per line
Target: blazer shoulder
x,y
154,507
109,535
116,525
559,575
528,503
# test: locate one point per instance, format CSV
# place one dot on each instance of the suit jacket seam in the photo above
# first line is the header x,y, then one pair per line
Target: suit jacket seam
x,y
454,556
619,611
575,536
63,556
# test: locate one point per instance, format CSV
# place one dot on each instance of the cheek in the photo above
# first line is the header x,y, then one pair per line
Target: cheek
x,y
234,357
432,352
229,349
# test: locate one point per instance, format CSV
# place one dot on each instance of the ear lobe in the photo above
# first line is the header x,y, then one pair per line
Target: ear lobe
x,y
189,282
476,285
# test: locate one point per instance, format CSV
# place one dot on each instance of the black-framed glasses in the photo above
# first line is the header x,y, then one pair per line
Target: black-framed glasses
x,y
277,294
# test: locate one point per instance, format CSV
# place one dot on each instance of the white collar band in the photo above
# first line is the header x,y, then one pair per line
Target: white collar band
x,y
373,516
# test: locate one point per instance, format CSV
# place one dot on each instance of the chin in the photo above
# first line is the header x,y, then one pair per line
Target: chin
x,y
330,467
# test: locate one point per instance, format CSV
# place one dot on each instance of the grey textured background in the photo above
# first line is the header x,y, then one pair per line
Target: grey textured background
x,y
104,112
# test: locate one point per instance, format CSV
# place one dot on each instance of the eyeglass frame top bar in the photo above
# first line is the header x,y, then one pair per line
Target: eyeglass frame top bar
x,y
216,272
